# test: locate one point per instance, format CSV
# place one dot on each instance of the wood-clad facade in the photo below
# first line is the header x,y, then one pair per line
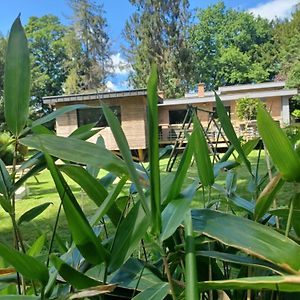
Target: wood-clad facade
x,y
131,107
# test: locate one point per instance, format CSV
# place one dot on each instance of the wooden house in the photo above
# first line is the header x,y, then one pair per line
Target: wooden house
x,y
130,108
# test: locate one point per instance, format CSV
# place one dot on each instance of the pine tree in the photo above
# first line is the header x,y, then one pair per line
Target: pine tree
x,y
157,32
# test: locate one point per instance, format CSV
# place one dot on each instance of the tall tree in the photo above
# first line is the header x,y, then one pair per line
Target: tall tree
x,y
91,45
231,47
48,54
287,35
157,32
3,44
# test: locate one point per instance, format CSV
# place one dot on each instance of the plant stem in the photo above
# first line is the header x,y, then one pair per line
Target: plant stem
x,y
289,221
167,270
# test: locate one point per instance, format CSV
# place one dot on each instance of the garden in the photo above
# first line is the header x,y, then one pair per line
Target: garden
x,y
99,225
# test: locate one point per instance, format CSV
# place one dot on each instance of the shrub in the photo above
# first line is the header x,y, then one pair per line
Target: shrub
x,y
246,108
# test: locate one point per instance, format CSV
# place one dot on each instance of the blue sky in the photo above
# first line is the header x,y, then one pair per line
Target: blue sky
x,y
118,11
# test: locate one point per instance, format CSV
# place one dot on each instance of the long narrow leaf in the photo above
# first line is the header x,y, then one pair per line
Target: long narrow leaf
x,y
33,213
83,235
250,237
28,266
16,79
37,246
229,131
279,146
125,151
71,275
86,153
152,117
204,165
275,283
155,292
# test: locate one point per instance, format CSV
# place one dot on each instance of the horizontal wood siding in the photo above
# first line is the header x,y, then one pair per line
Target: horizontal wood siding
x,y
133,122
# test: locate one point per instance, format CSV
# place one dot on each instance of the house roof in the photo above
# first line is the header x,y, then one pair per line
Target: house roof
x,y
94,96
228,97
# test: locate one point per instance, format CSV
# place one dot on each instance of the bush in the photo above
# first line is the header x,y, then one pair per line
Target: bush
x,y
246,108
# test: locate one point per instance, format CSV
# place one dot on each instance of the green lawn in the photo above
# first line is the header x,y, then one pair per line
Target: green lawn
x,y
44,191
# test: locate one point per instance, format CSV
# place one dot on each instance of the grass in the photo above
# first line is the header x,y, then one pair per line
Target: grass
x,y
44,191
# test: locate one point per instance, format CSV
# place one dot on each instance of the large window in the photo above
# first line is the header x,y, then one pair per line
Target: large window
x,y
95,115
177,116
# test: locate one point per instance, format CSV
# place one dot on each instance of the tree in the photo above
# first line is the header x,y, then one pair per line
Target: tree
x,y
246,108
231,47
3,43
48,55
157,32
287,36
88,47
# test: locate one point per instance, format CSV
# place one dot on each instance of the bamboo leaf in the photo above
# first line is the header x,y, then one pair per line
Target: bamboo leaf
x,y
174,212
125,151
16,79
83,235
181,170
267,196
130,232
229,131
71,275
157,291
28,266
5,180
33,213
204,165
152,118
37,246
86,153
279,146
250,237
275,283
94,291
191,289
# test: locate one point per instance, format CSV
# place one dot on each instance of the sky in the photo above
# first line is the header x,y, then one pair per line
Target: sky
x,y
118,11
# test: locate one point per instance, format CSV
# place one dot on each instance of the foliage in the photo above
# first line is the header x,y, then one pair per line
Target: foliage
x,y
88,46
246,108
157,33
148,241
231,47
48,54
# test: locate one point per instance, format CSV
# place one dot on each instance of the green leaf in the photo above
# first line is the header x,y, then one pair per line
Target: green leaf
x,y
204,165
267,196
229,131
5,181
275,283
296,218
94,189
130,232
109,207
191,289
28,266
16,79
134,273
125,151
72,276
152,118
19,297
250,237
242,260
248,147
86,153
279,146
174,212
157,291
181,170
33,213
83,235
37,246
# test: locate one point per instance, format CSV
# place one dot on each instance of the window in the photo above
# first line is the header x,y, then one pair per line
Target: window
x,y
215,114
93,115
177,116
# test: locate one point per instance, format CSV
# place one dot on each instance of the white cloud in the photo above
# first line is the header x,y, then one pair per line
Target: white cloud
x,y
120,65
111,86
274,8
